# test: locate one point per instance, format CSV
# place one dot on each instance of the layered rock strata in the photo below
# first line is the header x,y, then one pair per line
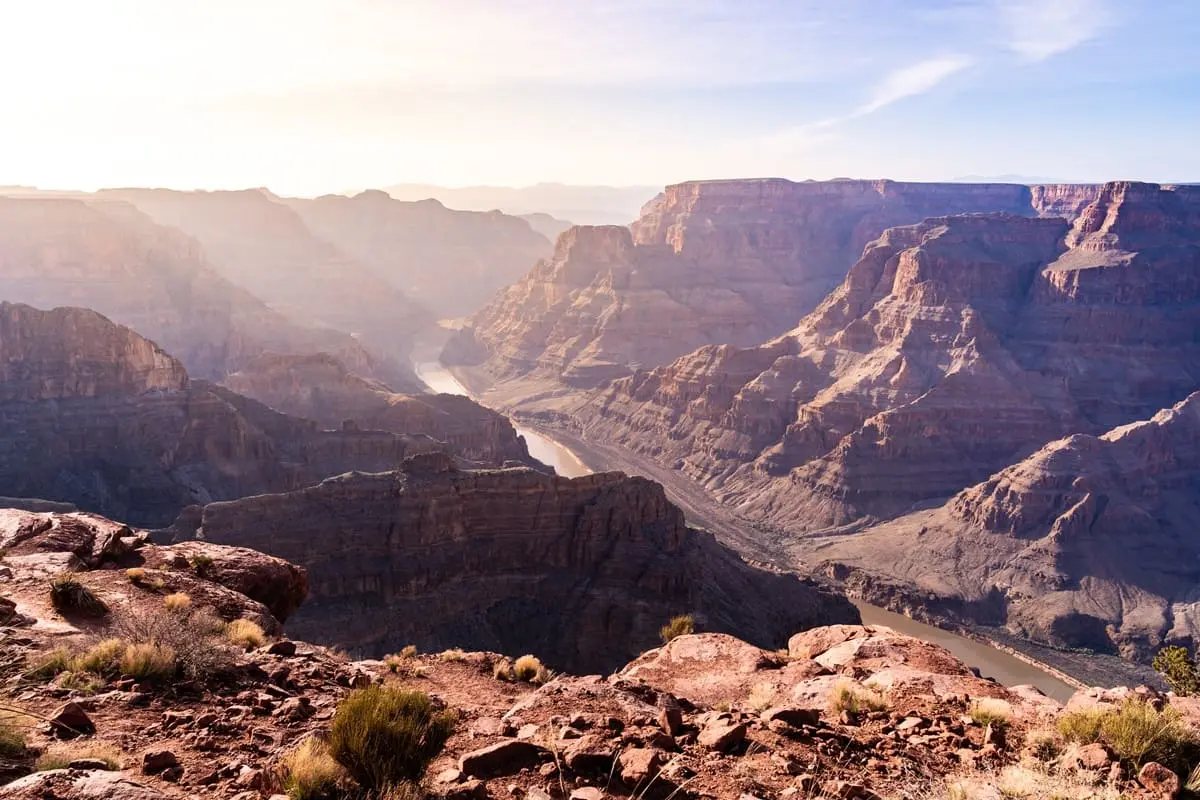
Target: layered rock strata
x,y
708,262
94,415
582,572
320,388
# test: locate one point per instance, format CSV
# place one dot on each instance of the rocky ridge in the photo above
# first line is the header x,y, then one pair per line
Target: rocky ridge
x,y
581,571
704,716
452,261
109,256
99,417
708,262
321,388
953,349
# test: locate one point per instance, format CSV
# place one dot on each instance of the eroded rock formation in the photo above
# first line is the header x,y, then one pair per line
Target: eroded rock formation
x,y
320,388
113,258
582,572
97,416
708,262
453,261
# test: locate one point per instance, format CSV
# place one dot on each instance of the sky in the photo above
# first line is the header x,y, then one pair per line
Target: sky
x,y
313,96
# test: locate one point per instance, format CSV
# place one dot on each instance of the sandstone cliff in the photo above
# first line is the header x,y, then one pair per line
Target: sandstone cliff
x,y
708,262
320,388
453,261
97,416
258,242
582,572
110,257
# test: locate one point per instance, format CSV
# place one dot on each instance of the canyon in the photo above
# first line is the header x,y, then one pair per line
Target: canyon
x,y
953,348
581,571
707,262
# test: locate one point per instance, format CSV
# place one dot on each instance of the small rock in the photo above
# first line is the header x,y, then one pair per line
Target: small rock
x,y
793,716
70,720
911,724
283,647
450,775
670,719
473,789
587,793
537,794
722,734
1093,756
503,758
155,761
1159,780
175,773
527,731
638,764
89,763
589,753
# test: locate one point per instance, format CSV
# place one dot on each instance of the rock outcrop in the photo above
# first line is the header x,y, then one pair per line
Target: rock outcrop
x,y
320,388
583,572
452,261
109,256
258,242
97,416
1089,541
708,262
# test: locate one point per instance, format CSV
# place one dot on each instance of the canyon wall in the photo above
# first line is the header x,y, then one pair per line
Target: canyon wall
x,y
582,572
708,262
321,388
97,416
452,261
111,257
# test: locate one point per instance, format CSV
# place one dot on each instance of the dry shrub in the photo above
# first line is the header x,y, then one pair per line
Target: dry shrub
x,y
68,595
310,773
195,637
59,756
50,664
991,711
502,670
102,658
386,736
13,725
527,668
135,575
454,655
202,564
761,696
1082,727
1136,732
410,651
245,634
179,601
855,698
681,625
149,661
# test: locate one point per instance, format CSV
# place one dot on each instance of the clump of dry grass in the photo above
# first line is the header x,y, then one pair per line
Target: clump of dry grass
x,y
102,658
529,668
13,725
178,601
68,595
503,670
991,711
60,756
310,772
761,696
453,655
681,625
149,661
854,698
245,634
1136,732
135,575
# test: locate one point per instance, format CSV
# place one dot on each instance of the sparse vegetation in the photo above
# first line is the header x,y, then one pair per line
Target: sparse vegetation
x,y
386,736
503,670
50,664
409,651
135,575
1178,669
1136,732
60,756
12,732
1043,745
179,601
761,696
103,658
310,773
454,655
196,637
678,626
68,595
202,564
245,634
991,711
855,698
149,661
529,668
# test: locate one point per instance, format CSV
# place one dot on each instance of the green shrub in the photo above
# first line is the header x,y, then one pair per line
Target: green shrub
x,y
1178,670
678,626
310,773
202,564
385,736
1136,732
68,595
1082,726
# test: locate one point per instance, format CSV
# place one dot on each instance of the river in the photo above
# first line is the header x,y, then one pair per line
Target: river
x,y
990,661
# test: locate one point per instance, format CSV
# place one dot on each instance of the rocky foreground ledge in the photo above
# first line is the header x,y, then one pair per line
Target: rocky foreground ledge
x,y
845,711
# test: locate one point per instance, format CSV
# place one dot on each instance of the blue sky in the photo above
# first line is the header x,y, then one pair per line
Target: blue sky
x,y
307,96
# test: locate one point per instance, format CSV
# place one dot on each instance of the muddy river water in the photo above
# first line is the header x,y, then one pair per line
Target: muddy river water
x,y
990,661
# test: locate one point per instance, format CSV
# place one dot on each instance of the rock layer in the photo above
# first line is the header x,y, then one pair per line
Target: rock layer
x,y
320,388
582,572
708,262
111,257
97,416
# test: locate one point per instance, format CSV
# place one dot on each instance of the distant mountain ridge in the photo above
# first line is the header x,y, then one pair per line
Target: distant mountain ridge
x,y
583,205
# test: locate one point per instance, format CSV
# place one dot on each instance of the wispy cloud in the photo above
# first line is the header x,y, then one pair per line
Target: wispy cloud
x,y
910,81
1040,29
